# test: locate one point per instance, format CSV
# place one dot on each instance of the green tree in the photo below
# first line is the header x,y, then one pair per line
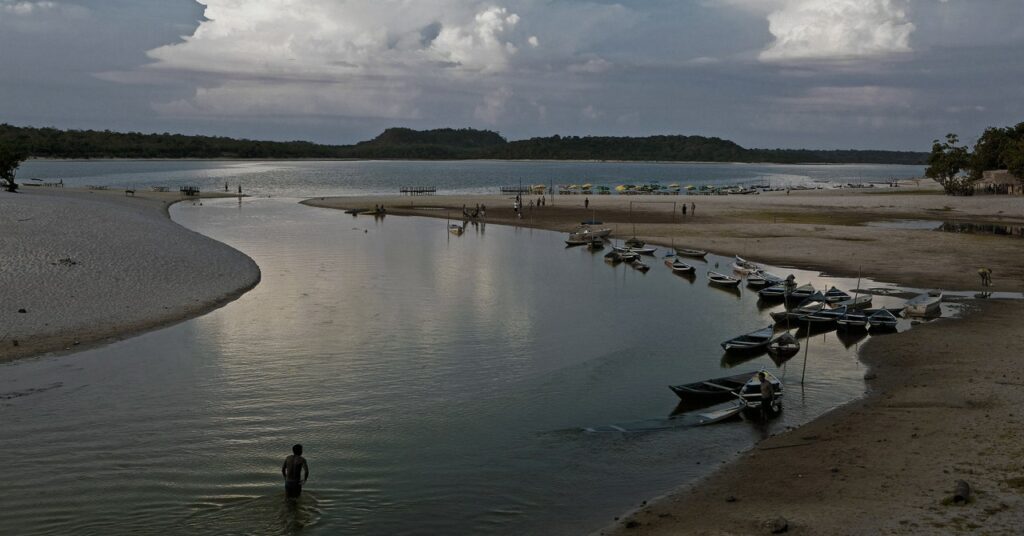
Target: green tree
x,y
945,164
9,161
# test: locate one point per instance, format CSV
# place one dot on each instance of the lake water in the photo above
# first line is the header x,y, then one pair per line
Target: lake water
x,y
440,385
323,178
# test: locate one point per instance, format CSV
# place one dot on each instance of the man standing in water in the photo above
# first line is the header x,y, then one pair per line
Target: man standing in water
x,y
767,396
290,470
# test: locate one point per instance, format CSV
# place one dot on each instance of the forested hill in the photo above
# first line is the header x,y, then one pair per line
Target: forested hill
x,y
439,144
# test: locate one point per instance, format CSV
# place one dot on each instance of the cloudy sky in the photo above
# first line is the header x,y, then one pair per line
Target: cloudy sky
x,y
891,74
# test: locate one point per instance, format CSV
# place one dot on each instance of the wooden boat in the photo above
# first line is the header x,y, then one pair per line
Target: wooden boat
x,y
751,391
642,250
577,240
722,279
750,342
774,292
629,256
795,315
679,266
744,267
710,391
695,253
823,316
456,229
852,320
800,293
856,302
923,305
595,244
723,414
639,265
784,346
635,242
883,320
834,295
613,257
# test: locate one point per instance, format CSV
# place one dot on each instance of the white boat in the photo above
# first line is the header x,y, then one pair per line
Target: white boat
x,y
679,266
588,231
724,414
639,265
743,266
923,305
722,279
456,229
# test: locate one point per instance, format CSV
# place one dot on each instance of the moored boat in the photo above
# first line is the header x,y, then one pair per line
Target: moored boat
x,y
679,266
694,253
456,229
722,279
856,302
834,295
784,346
722,414
638,264
751,391
800,293
642,250
852,320
635,243
923,305
883,320
712,390
749,342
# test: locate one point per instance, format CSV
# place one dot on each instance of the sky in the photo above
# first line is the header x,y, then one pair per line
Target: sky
x,y
862,74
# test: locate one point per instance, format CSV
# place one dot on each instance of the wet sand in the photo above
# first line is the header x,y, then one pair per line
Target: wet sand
x,y
944,399
85,267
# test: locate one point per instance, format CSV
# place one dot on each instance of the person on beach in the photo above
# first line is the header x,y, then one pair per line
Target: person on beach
x,y
684,209
693,209
293,464
586,202
986,276
767,396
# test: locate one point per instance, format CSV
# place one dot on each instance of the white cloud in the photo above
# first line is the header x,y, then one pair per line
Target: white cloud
x,y
492,108
835,29
591,113
592,66
24,7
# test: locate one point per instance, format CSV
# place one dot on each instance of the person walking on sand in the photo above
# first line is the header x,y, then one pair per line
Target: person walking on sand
x,y
693,209
586,202
684,209
293,464
767,396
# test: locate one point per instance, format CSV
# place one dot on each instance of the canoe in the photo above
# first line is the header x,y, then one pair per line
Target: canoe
x,y
834,295
711,390
923,305
856,302
642,250
695,253
853,320
744,267
750,342
679,266
774,292
823,316
722,279
784,345
724,414
639,265
801,293
883,319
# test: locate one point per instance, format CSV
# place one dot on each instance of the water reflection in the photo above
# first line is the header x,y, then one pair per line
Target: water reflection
x,y
440,384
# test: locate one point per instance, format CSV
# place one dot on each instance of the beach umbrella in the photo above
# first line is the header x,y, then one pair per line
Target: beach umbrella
x,y
588,186
673,185
620,188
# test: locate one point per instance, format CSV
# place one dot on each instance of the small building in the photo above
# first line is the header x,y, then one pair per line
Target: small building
x,y
999,181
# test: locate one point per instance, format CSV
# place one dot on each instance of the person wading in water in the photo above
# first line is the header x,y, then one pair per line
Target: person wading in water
x,y
290,470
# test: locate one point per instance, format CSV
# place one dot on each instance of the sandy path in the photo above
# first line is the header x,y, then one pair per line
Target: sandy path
x,y
86,267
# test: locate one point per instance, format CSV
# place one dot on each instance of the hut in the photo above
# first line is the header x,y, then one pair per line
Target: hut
x,y
999,181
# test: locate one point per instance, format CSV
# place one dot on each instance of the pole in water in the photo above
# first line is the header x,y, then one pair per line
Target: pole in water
x,y
807,348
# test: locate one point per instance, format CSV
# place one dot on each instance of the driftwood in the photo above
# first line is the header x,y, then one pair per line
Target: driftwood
x,y
962,492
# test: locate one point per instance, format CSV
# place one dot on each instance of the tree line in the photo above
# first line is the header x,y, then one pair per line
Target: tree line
x,y
957,168
438,144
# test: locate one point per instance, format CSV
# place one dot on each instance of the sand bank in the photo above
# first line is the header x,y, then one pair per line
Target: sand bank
x,y
83,267
945,401
821,229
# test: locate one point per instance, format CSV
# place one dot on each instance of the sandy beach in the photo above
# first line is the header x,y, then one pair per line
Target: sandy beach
x,y
942,400
85,267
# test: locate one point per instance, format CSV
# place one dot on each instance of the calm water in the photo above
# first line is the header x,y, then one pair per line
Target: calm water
x,y
440,384
312,179
952,226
